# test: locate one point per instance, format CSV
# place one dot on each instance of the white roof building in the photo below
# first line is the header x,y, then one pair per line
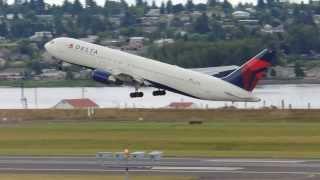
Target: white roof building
x,y
241,14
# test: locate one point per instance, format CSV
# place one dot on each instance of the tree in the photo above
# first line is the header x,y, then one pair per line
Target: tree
x,y
33,5
139,3
162,8
169,6
298,70
129,19
41,6
303,39
227,6
261,4
154,5
273,73
3,29
91,5
177,8
270,3
212,3
124,4
2,7
77,7
66,6
202,24
190,5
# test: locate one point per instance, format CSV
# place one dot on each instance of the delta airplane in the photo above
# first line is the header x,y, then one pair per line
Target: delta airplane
x,y
110,65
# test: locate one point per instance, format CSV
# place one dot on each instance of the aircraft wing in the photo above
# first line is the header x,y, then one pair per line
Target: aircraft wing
x,y
218,71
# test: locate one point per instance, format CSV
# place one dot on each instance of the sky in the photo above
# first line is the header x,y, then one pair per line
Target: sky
x,y
101,2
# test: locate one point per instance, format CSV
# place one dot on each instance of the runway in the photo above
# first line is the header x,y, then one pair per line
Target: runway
x,y
199,167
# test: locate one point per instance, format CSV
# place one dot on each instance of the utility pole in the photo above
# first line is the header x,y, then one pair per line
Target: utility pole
x,y
24,101
36,97
83,92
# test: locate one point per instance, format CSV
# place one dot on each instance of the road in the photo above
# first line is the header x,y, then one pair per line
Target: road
x,y
206,169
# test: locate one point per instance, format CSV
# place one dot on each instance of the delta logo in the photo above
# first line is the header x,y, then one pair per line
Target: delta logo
x,y
87,50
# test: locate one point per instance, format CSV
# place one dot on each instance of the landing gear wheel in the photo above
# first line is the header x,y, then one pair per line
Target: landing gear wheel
x,y
136,94
159,93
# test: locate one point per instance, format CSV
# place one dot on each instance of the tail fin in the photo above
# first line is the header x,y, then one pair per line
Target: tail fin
x,y
248,75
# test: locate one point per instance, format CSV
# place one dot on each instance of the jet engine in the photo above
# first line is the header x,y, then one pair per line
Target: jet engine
x,y
104,77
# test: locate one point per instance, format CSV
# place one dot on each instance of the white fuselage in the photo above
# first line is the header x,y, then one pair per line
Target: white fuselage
x,y
116,62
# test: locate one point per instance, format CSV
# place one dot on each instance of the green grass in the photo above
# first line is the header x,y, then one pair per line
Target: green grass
x,y
86,177
247,139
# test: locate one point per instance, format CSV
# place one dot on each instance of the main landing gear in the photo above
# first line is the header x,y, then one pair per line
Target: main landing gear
x,y
159,93
136,94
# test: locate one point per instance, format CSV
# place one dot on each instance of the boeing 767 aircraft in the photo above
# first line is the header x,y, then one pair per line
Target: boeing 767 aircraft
x,y
110,65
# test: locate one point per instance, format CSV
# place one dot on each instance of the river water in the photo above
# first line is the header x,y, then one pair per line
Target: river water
x,y
296,96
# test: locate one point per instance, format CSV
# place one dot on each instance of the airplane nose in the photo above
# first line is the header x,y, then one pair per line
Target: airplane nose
x,y
46,46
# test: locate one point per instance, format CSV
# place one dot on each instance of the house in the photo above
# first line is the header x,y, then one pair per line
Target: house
x,y
153,13
135,43
115,20
45,17
52,74
241,14
182,105
90,38
250,23
20,2
76,104
268,29
39,36
3,62
12,16
12,74
162,42
316,19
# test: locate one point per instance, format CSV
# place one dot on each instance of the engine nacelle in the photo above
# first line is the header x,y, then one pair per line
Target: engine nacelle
x,y
102,77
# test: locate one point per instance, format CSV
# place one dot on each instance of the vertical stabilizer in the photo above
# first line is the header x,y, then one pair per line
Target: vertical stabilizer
x,y
248,75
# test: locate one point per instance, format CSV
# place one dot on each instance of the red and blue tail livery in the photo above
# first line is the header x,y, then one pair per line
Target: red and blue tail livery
x,y
248,75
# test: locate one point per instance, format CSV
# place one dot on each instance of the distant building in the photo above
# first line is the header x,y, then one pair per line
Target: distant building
x,y
270,30
52,74
153,13
12,16
45,17
241,14
76,104
182,105
40,36
12,74
115,20
90,38
162,42
19,2
135,43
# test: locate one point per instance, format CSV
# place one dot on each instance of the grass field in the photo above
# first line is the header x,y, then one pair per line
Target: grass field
x,y
215,139
86,177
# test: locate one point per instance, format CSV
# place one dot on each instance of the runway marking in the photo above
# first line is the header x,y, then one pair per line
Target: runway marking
x,y
253,161
153,170
197,168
